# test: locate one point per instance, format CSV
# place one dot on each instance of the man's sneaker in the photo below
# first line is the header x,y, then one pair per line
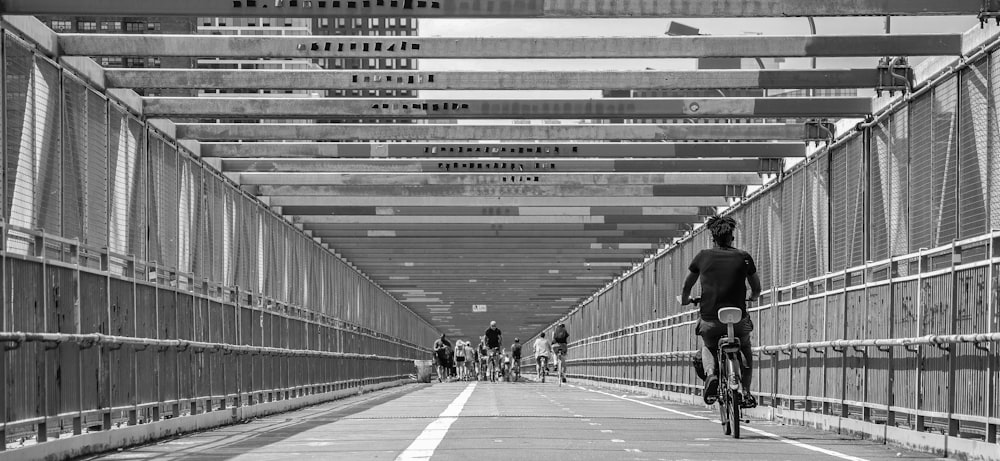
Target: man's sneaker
x,y
748,400
564,379
711,392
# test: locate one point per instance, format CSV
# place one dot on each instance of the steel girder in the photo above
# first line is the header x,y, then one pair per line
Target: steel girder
x,y
626,108
498,9
227,46
320,150
456,80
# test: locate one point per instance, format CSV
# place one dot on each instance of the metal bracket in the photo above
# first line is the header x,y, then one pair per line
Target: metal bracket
x,y
820,130
914,349
840,349
10,345
987,12
894,73
820,350
52,345
944,347
860,349
885,348
140,347
981,347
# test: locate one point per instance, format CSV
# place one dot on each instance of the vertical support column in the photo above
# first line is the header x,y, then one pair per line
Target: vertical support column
x,y
991,347
918,397
956,258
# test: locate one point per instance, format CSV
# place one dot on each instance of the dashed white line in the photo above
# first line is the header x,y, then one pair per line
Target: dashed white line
x,y
779,438
423,447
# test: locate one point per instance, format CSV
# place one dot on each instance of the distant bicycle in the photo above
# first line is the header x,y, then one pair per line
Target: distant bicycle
x,y
560,359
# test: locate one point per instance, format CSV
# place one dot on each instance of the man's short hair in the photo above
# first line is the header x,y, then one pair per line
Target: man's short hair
x,y
493,323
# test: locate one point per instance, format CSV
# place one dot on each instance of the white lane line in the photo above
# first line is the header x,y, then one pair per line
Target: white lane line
x,y
423,447
779,438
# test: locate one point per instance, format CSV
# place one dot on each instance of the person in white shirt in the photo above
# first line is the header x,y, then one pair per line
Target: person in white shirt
x,y
542,351
460,358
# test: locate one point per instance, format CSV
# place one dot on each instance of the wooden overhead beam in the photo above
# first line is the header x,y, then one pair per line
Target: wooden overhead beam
x,y
410,47
521,9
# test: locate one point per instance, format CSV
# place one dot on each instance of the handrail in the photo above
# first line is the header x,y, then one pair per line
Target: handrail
x,y
837,343
92,339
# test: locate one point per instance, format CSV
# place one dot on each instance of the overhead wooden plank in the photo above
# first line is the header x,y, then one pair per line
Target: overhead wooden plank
x,y
409,47
627,108
232,150
497,171
454,179
520,9
319,200
320,79
450,132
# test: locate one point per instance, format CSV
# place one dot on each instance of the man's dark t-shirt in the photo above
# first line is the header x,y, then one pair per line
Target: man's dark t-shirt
x,y
515,350
492,337
723,273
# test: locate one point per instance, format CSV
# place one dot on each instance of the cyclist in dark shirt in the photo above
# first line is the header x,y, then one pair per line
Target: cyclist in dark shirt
x,y
494,338
560,346
723,271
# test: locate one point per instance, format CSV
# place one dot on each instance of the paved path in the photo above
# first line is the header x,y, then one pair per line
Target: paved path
x,y
504,421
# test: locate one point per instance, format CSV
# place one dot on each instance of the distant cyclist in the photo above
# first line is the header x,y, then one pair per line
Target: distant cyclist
x,y
515,356
484,356
460,358
494,340
724,272
560,346
542,351
442,352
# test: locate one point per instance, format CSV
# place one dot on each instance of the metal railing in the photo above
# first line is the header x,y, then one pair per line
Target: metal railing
x,y
227,374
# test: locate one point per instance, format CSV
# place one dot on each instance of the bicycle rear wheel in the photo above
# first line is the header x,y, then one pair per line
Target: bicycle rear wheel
x,y
724,413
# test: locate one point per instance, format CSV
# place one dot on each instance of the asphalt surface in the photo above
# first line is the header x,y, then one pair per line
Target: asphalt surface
x,y
505,421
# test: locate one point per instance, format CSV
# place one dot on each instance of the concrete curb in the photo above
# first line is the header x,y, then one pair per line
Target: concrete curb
x,y
104,441
938,444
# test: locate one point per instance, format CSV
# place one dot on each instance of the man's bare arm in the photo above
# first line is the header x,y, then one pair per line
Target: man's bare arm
x,y
754,286
689,282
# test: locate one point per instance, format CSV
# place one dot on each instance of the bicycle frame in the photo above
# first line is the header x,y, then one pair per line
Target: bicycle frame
x,y
730,365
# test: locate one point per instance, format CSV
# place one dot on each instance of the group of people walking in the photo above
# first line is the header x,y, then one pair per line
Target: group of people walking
x,y
489,360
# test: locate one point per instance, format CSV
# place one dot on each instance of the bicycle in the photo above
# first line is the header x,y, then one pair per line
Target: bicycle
x,y
495,367
542,367
560,355
729,363
515,365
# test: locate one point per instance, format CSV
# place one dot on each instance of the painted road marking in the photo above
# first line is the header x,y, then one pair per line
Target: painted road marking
x,y
423,447
779,438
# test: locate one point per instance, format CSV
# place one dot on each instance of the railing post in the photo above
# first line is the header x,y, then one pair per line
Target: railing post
x,y
956,258
918,396
991,320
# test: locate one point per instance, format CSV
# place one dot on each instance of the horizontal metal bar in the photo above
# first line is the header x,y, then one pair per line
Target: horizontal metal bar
x,y
629,108
375,221
366,47
526,9
547,149
417,132
212,79
321,178
497,171
611,214
314,200
519,189
182,344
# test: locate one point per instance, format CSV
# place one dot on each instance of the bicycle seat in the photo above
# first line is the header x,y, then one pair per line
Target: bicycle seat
x,y
730,314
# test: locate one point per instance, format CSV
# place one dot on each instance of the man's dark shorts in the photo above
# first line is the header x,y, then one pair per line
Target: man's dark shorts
x,y
712,331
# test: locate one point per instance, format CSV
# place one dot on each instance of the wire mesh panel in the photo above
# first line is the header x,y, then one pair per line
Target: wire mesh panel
x,y
818,208
899,160
945,162
920,173
19,146
973,151
971,364
48,141
163,201
935,318
75,150
904,325
838,209
880,199
994,139
856,184
96,221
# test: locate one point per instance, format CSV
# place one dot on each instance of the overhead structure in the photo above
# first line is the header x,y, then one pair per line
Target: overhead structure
x,y
768,79
626,108
408,47
527,206
500,9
